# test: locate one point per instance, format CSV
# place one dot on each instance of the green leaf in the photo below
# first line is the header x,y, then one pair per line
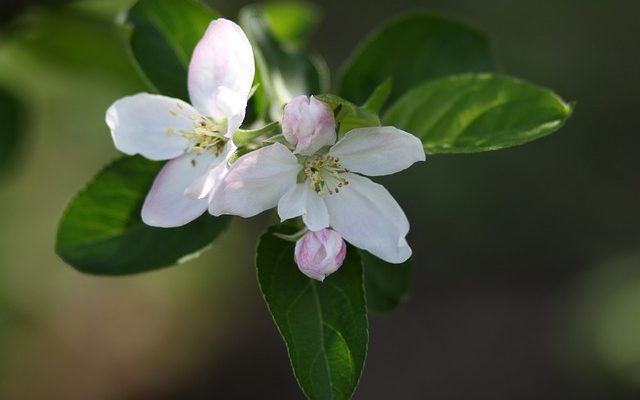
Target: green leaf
x,y
324,324
164,34
410,50
348,115
101,231
379,96
78,41
283,72
12,127
292,22
472,113
387,285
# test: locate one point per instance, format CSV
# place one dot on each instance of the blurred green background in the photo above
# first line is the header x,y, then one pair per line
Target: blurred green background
x,y
526,261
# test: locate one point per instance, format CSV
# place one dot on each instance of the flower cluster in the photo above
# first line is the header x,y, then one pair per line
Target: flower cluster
x,y
310,173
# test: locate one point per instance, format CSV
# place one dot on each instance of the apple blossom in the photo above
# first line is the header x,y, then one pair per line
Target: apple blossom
x,y
308,124
326,187
319,254
197,138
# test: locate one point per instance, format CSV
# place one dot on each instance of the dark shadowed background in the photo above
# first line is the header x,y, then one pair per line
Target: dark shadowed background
x,y
526,279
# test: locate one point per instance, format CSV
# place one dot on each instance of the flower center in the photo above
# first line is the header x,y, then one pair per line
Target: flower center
x,y
207,134
325,174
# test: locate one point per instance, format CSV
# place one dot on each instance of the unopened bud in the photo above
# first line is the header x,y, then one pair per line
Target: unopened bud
x,y
319,254
308,124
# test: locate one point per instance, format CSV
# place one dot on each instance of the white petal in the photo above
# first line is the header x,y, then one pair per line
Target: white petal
x,y
221,72
166,204
378,151
256,181
365,214
150,125
316,216
301,200
233,105
293,203
204,185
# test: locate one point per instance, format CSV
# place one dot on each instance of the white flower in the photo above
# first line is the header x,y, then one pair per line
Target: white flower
x,y
319,254
326,190
197,139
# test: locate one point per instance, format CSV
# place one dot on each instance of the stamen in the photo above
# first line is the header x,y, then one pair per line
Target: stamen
x,y
206,134
325,174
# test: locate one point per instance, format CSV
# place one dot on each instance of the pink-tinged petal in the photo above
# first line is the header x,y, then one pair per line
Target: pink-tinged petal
x,y
319,254
166,204
378,150
366,215
221,72
292,116
205,184
217,176
301,200
308,124
150,125
334,244
255,182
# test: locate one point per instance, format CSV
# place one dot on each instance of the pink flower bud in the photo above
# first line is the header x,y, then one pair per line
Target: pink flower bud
x,y
308,124
319,254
